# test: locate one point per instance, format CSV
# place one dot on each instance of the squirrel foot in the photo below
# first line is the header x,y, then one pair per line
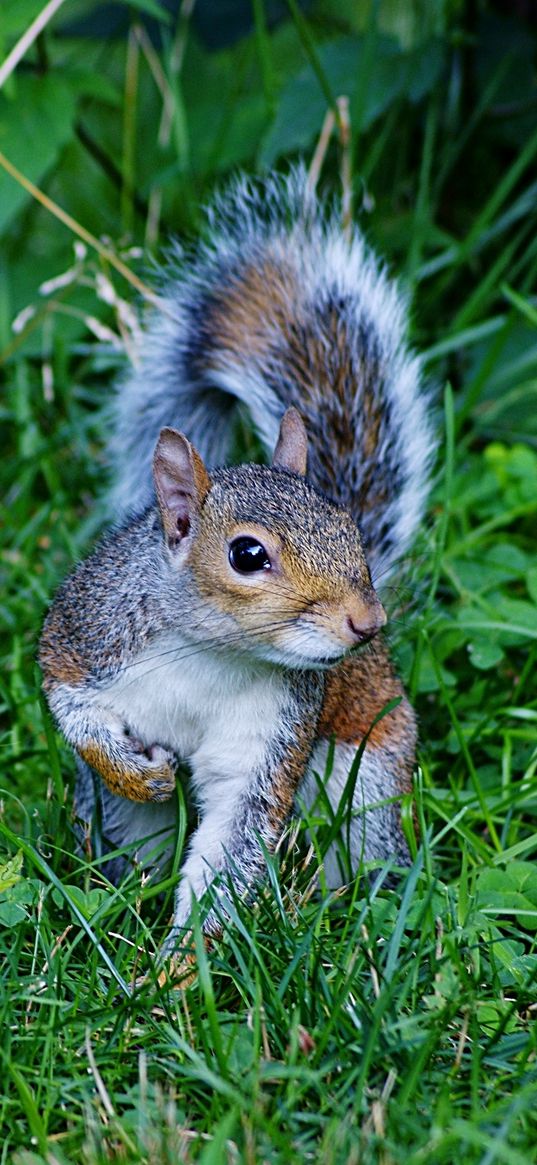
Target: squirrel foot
x,y
178,958
178,969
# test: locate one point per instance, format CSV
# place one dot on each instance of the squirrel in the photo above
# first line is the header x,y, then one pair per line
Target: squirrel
x,y
230,618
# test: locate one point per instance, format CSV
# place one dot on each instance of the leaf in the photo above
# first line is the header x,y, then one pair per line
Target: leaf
x,y
231,142
90,83
512,622
506,363
16,16
215,1151
87,901
531,582
33,129
435,905
97,23
11,872
518,614
498,563
15,901
505,560
11,914
225,120
302,104
492,1016
429,678
484,654
447,986
151,7
510,891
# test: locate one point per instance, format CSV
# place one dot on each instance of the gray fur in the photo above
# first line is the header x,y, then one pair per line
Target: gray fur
x,y
147,652
188,380
145,831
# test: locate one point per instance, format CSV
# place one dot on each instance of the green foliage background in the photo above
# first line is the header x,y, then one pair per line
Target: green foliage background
x,y
394,1024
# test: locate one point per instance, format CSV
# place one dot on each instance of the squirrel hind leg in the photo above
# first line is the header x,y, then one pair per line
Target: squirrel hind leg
x,y
363,700
105,822
370,812
370,828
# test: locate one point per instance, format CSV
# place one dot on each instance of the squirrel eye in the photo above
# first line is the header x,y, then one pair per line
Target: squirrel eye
x,y
247,555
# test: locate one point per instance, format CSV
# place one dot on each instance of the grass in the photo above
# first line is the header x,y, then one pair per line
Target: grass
x,y
394,1023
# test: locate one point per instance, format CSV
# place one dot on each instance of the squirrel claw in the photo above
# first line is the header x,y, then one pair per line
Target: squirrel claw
x,y
161,790
160,779
178,966
180,972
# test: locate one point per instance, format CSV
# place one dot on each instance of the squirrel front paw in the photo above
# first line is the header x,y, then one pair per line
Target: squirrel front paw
x,y
132,769
159,773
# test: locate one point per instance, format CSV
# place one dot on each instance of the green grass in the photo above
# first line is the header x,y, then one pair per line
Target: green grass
x,y
394,1023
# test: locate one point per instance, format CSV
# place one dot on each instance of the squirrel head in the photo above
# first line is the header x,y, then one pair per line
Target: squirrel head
x,y
278,567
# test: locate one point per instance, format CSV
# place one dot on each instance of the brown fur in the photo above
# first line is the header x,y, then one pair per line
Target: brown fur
x,y
59,665
318,565
308,352
120,780
355,692
286,779
280,312
291,587
241,320
262,312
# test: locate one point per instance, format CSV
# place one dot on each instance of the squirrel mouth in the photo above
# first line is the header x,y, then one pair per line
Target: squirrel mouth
x,y
329,662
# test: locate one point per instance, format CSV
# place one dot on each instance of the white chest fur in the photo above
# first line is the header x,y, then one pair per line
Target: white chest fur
x,y
215,710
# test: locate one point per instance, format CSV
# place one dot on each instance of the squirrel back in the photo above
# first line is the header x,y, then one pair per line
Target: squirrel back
x,y
281,308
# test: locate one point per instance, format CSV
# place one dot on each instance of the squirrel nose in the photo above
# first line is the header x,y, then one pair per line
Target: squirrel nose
x,y
362,630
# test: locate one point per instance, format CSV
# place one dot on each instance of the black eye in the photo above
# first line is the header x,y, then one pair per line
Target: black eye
x,y
247,555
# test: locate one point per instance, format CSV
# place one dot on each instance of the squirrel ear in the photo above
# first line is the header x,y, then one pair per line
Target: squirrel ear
x,y
291,450
181,483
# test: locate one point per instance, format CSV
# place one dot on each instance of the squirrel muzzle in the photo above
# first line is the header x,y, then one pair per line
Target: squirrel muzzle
x,y
362,620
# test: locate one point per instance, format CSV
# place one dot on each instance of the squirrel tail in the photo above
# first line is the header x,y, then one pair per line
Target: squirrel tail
x,y
280,308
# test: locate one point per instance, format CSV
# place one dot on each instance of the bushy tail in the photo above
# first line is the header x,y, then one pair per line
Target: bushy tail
x,y
280,308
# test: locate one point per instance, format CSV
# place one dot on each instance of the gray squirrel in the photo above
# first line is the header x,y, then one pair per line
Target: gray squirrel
x,y
230,618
